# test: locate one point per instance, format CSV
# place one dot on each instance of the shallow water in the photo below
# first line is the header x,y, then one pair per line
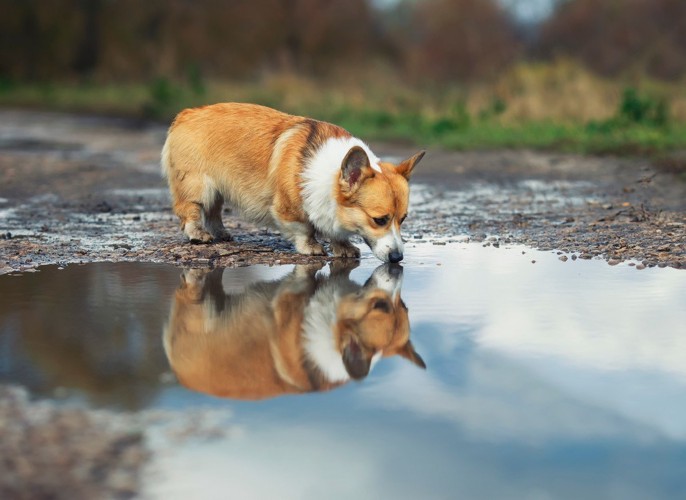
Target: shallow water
x,y
542,380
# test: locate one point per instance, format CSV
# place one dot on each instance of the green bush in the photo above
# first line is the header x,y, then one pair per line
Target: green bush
x,y
642,109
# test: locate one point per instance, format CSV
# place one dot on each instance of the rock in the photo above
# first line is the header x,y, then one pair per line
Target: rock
x,y
563,258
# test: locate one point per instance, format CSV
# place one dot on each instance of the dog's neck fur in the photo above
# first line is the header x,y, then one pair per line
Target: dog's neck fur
x,y
318,336
320,176
319,340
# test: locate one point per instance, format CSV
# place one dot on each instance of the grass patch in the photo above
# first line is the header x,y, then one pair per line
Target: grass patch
x,y
448,117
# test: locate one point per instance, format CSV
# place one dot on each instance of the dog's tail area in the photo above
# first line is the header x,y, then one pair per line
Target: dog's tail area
x,y
166,157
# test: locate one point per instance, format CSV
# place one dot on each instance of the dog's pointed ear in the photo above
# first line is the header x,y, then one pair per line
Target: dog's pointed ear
x,y
405,168
355,169
408,352
356,363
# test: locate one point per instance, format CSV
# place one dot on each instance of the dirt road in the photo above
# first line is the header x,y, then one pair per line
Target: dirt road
x,y
80,189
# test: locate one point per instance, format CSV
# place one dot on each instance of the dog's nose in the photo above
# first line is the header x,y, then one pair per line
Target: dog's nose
x,y
395,257
395,271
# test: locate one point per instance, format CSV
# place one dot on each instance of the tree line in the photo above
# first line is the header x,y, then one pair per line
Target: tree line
x,y
423,40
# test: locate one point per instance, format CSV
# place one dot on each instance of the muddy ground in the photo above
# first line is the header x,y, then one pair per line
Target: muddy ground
x,y
82,189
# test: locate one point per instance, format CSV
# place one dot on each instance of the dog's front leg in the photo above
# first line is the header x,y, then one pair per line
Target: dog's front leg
x,y
302,236
344,249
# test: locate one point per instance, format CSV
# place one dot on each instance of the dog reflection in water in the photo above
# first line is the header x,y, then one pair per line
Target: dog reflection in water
x,y
305,332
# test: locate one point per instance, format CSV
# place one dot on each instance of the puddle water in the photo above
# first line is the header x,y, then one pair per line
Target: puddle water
x,y
545,380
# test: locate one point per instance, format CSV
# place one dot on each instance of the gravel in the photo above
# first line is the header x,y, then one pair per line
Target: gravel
x,y
102,199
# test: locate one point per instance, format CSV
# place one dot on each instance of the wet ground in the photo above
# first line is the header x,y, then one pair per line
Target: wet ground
x,y
500,378
82,189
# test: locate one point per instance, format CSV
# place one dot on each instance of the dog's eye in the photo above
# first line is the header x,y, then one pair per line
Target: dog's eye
x,y
381,221
383,306
403,219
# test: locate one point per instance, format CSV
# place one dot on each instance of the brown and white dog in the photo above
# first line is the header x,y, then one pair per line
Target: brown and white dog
x,y
303,177
306,332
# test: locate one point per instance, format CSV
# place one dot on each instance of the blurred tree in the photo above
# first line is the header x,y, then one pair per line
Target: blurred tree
x,y
459,39
133,40
616,36
38,38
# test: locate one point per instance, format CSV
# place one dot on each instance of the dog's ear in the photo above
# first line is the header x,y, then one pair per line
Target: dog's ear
x,y
408,352
355,169
405,168
356,363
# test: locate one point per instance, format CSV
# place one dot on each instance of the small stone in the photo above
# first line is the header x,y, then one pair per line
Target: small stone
x,y
563,258
640,266
613,262
533,261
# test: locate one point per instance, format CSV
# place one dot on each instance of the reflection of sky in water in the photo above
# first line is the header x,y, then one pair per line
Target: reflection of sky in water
x,y
544,380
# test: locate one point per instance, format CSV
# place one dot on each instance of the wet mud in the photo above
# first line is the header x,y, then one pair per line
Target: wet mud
x,y
79,189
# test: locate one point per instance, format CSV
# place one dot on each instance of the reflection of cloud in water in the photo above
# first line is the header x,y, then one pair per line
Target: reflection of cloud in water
x,y
505,408
288,461
584,349
499,401
588,313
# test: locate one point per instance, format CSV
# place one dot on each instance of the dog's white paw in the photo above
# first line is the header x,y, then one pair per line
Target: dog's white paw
x,y
196,234
345,250
309,247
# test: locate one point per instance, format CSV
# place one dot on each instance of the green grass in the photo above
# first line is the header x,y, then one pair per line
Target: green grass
x,y
640,126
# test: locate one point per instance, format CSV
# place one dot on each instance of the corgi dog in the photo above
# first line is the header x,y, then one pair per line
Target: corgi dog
x,y
301,176
305,332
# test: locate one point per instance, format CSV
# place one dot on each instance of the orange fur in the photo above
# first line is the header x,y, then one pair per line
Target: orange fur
x,y
251,345
254,158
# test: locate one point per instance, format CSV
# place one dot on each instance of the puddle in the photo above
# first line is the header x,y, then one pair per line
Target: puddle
x,y
542,380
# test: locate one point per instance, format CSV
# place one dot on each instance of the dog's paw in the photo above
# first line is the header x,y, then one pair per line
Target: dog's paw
x,y
302,271
345,250
197,235
222,235
195,277
310,248
315,249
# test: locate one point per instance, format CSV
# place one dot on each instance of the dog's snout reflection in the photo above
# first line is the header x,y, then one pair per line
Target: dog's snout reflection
x,y
309,331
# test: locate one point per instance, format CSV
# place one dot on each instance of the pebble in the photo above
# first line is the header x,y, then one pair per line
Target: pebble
x,y
613,262
563,258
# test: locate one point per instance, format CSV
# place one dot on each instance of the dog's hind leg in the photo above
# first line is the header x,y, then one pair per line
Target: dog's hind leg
x,y
188,202
213,219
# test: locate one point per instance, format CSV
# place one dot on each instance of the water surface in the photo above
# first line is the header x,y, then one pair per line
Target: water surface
x,y
541,380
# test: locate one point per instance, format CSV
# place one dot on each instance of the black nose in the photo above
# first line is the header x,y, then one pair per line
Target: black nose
x,y
395,257
395,271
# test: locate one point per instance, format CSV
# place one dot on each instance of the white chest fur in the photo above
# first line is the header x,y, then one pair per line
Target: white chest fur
x,y
320,176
